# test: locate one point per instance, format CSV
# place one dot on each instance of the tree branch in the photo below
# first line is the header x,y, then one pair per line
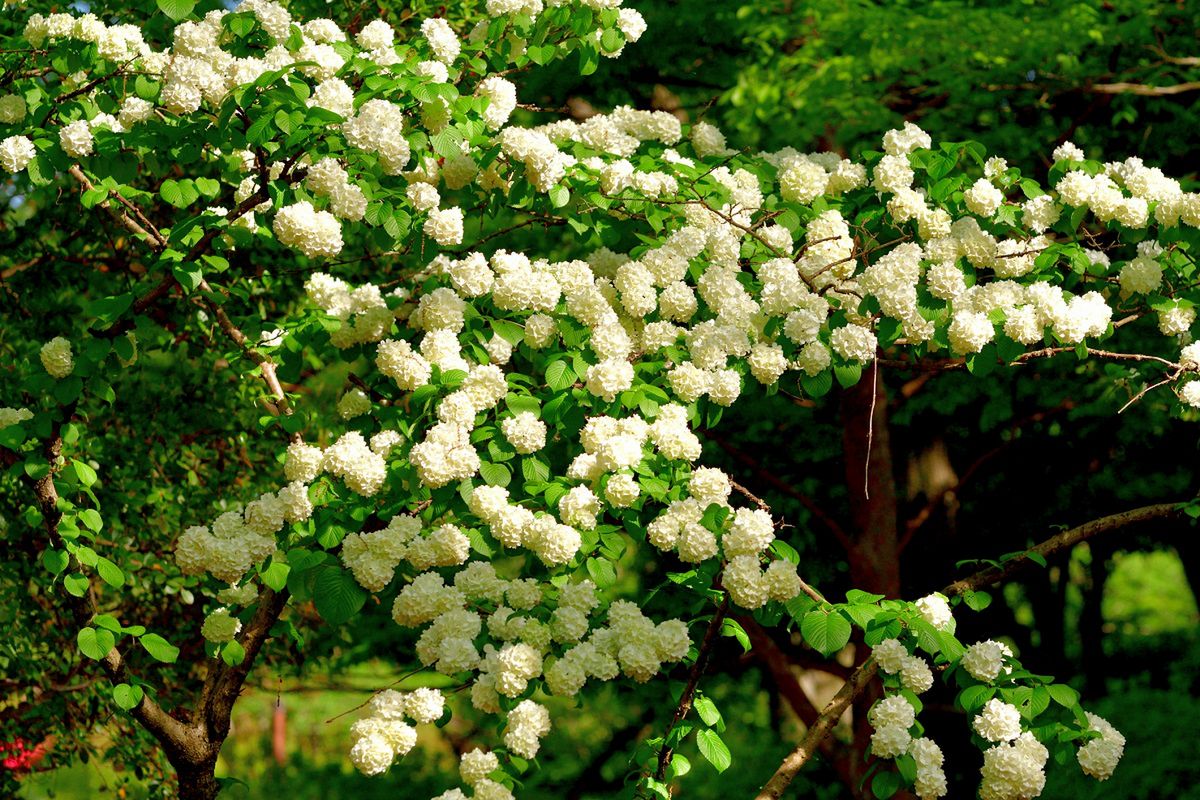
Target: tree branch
x,y
818,731
689,691
1062,541
861,677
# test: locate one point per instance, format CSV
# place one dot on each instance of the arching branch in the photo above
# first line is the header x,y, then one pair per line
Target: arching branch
x,y
861,677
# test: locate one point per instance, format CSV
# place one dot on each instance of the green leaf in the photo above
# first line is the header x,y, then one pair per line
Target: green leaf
x,y
55,560
1064,695
534,469
974,698
275,575
977,601
560,376
734,629
602,572
713,749
95,642
188,275
827,632
76,585
90,517
84,474
232,653
495,474
337,595
707,710
176,9
159,648
109,572
559,196
818,385
127,697
848,374
885,784
108,309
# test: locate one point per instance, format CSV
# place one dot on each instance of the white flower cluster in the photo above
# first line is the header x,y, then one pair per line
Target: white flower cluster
x,y
317,234
985,660
239,539
1099,757
1014,770
56,357
894,658
892,717
13,416
385,735
220,626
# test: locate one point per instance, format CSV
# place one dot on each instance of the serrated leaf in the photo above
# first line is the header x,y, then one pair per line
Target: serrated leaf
x,y
1064,695
176,9
232,653
974,698
560,376
848,374
275,575
76,585
733,628
337,595
495,474
977,601
714,749
109,572
827,632
707,710
55,560
602,572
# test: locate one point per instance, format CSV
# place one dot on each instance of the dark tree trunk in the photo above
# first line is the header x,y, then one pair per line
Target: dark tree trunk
x,y
874,542
874,553
198,781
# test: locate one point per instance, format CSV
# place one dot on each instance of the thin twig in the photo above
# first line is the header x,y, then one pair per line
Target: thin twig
x,y
689,691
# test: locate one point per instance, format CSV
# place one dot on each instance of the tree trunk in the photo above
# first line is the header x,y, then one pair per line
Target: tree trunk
x,y
198,781
874,541
874,556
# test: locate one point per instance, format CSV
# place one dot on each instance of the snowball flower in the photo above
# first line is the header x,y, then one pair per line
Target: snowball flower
x,y
56,357
998,722
16,152
315,233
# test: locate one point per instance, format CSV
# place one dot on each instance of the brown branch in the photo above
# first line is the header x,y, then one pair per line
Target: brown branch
x,y
944,365
156,243
689,692
224,683
177,739
1143,89
1059,542
818,731
861,677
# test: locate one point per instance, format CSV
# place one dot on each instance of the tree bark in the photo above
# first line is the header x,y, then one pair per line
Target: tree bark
x,y
198,781
866,443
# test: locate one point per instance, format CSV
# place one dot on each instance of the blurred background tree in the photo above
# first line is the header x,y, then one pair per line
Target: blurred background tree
x,y
956,468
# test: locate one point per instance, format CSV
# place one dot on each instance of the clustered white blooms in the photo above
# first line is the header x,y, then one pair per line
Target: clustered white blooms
x,y
12,416
1099,757
220,626
798,307
385,734
985,660
56,357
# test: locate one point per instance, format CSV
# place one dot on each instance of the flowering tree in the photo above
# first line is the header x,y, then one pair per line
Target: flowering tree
x,y
295,199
